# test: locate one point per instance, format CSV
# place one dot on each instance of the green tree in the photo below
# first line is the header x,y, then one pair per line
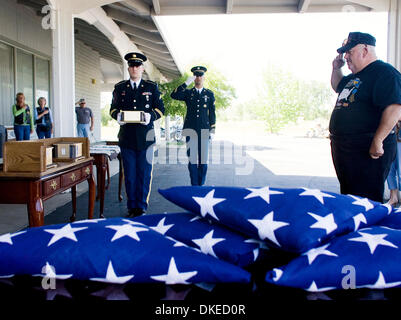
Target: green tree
x,y
283,98
105,115
223,91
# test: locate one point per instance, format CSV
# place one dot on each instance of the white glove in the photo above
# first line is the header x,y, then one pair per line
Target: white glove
x,y
190,80
121,123
211,136
147,119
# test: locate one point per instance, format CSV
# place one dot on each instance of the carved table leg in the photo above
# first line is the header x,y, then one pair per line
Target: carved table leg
x,y
101,185
108,173
74,203
35,206
92,196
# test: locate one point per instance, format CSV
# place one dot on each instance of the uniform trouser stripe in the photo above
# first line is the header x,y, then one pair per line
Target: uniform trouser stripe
x,y
138,176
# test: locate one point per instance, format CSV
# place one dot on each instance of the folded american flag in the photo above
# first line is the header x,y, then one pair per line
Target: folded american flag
x,y
293,220
367,258
114,250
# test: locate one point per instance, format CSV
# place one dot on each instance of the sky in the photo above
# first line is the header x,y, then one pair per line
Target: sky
x,y
241,46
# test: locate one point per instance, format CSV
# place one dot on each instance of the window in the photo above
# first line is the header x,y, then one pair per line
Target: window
x,y
6,84
42,83
25,76
27,73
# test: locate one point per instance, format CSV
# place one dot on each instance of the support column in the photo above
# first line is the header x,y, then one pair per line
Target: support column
x,y
63,70
394,34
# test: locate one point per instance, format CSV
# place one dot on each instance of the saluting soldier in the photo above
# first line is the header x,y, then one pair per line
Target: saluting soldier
x,y
199,124
136,140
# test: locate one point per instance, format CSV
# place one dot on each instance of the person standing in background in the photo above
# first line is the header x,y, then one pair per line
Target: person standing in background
x,y
363,144
199,124
23,122
43,119
136,140
85,120
394,176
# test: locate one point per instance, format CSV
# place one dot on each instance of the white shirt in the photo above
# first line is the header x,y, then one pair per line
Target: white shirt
x,y
137,83
199,90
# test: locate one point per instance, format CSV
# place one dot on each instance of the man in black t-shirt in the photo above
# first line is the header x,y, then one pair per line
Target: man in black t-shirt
x,y
368,106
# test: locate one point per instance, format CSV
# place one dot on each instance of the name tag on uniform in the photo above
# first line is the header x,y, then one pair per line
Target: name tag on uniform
x,y
147,93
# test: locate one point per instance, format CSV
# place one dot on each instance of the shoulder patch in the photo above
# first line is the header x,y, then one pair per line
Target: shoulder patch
x,y
120,83
151,82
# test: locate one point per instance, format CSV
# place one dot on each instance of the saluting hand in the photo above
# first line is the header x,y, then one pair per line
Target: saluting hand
x,y
190,80
338,62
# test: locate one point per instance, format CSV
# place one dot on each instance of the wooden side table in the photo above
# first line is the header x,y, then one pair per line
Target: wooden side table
x,y
26,189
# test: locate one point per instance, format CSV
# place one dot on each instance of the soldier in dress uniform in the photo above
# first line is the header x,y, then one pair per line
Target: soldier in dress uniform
x,y
136,140
199,124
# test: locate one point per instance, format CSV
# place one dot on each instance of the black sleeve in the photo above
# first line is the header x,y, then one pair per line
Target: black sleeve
x,y
114,108
212,115
387,90
158,105
180,93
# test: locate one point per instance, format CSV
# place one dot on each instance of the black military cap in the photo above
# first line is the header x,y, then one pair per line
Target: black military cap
x,y
135,58
198,71
355,38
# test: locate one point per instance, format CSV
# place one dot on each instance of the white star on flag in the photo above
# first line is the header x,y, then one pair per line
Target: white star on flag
x,y
173,276
207,203
327,222
313,288
88,221
64,232
255,254
389,207
360,217
277,274
112,277
262,244
177,243
381,283
316,193
6,238
314,253
195,218
133,222
364,202
267,226
161,227
126,230
373,240
264,193
207,242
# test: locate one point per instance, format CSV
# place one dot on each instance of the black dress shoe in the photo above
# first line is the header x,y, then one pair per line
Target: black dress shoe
x,y
134,212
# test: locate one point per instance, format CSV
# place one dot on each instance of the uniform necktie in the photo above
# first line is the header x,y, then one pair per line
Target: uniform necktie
x,y
134,86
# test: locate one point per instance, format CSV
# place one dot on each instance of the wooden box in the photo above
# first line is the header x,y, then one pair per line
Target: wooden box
x,y
68,150
133,116
49,156
34,156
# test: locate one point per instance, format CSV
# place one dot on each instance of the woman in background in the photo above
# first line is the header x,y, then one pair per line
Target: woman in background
x,y
394,177
23,124
43,119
